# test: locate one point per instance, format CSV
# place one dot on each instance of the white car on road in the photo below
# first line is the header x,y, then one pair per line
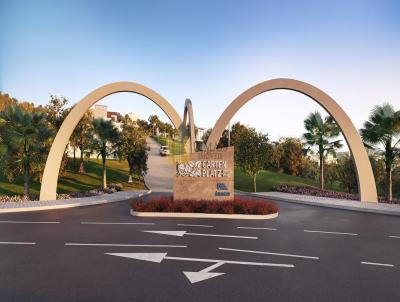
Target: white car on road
x,y
164,151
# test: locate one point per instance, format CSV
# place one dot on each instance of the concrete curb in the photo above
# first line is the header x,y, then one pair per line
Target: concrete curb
x,y
203,215
73,202
361,207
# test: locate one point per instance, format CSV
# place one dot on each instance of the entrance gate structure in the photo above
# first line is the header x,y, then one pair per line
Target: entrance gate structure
x,y
366,182
365,176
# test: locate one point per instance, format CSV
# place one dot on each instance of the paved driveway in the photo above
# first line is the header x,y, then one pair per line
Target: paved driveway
x,y
101,253
161,169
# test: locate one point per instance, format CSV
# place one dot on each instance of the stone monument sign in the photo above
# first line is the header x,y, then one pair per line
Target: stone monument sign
x,y
205,175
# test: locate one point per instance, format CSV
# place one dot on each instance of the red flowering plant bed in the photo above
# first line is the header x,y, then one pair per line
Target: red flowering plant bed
x,y
240,205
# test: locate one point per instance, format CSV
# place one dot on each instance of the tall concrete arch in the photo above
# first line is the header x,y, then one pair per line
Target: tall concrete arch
x,y
48,188
366,182
188,113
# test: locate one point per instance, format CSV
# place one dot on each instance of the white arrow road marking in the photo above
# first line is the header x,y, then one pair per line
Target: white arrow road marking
x,y
116,223
181,233
204,274
335,233
268,253
152,257
193,276
378,264
25,243
398,237
141,256
121,244
251,228
171,233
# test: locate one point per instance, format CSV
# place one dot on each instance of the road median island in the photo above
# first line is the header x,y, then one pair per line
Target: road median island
x,y
243,207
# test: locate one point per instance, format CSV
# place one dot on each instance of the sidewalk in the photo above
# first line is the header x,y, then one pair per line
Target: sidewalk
x,y
12,207
352,205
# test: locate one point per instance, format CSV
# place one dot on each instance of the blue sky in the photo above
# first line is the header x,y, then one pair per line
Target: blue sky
x,y
209,51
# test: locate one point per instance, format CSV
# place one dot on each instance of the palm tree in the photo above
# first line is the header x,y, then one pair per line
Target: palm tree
x,y
320,133
382,131
24,135
104,142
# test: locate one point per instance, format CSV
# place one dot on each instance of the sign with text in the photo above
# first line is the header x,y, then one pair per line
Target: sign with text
x,y
205,175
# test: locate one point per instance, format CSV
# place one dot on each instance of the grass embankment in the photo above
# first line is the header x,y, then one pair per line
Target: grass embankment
x,y
267,179
175,147
117,172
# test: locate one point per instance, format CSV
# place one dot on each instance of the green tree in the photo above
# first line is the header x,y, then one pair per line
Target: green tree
x,y
381,133
291,155
237,130
154,123
223,141
56,111
104,142
169,129
133,147
6,100
144,125
82,136
3,147
346,173
251,153
320,134
379,170
25,135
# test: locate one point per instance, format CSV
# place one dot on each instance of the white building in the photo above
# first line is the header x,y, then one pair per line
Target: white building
x,y
101,111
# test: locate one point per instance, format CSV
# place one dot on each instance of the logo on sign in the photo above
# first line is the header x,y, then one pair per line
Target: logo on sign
x,y
222,190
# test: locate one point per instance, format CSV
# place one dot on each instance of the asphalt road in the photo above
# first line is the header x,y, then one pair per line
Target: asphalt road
x,y
327,266
161,169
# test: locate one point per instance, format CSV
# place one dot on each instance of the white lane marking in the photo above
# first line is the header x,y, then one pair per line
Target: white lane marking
x,y
39,222
268,253
158,257
398,237
196,225
123,223
122,244
251,228
227,236
378,264
335,233
24,243
181,233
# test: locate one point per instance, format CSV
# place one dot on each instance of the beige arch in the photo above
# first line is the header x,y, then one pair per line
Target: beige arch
x,y
48,188
366,182
188,112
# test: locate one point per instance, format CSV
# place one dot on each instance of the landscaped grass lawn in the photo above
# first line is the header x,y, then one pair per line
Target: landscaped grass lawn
x,y
175,147
267,179
117,172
